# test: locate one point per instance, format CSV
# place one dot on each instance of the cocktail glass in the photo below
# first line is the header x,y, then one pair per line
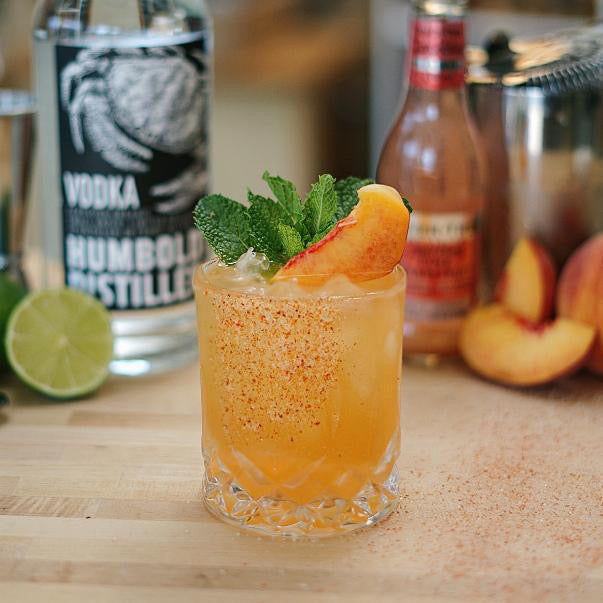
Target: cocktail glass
x,y
300,395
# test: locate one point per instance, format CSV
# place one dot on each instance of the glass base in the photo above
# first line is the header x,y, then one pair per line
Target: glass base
x,y
227,501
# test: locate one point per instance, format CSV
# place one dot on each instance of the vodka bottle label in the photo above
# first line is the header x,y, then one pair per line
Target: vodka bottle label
x,y
134,160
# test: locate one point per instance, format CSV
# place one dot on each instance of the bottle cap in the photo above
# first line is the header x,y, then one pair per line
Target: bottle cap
x,y
441,8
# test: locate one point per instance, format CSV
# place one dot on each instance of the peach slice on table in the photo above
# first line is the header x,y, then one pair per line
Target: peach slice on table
x,y
367,244
580,293
527,285
508,349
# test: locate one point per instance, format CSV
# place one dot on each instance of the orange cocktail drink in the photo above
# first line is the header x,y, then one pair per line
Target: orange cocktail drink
x,y
300,325
301,399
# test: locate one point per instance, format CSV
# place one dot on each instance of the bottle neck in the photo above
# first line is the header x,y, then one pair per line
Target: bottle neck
x,y
437,53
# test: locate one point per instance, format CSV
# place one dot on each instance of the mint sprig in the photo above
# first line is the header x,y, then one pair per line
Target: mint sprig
x,y
265,216
320,236
286,196
320,206
347,195
281,227
226,226
290,240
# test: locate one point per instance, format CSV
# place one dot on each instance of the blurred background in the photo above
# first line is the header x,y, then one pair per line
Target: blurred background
x,y
304,86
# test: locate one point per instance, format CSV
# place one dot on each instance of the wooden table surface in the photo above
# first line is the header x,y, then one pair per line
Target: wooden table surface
x,y
503,500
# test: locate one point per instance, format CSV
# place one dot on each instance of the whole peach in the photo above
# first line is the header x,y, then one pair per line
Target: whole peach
x,y
580,293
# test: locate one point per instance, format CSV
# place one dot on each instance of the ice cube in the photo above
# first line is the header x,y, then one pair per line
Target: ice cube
x,y
338,286
252,263
287,288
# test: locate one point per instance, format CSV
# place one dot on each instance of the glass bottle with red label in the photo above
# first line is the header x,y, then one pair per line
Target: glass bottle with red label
x,y
432,155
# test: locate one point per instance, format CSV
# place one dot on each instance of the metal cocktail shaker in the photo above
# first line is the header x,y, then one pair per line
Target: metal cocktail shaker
x,y
16,146
539,106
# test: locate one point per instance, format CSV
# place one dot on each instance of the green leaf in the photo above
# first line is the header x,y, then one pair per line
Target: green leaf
x,y
320,206
291,240
264,217
287,197
408,205
225,224
347,195
320,236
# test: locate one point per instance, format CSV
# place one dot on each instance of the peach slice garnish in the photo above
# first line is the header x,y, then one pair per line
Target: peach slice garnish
x,y
508,349
527,285
367,244
580,293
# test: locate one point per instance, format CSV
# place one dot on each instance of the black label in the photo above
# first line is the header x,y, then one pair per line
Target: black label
x,y
134,154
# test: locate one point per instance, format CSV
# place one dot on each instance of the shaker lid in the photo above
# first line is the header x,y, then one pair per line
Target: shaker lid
x,y
558,62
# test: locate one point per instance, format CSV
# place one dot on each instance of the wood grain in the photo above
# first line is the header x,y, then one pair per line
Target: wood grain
x,y
503,500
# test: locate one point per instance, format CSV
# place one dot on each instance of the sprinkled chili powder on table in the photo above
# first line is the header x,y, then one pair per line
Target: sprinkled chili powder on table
x,y
503,499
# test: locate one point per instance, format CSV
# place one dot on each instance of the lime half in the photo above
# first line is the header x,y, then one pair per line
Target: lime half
x,y
59,342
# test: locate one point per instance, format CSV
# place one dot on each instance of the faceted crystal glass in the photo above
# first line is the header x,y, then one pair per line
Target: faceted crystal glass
x,y
300,400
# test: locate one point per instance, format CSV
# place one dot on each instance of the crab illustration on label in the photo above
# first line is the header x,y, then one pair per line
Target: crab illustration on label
x,y
128,104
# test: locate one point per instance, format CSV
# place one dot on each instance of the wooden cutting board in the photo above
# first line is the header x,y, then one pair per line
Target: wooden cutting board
x,y
503,500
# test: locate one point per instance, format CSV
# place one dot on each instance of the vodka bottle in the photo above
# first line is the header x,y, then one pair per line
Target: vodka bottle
x,y
432,155
123,92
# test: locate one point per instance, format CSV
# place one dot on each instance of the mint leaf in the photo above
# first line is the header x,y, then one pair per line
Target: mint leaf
x,y
408,205
320,236
347,195
291,240
264,218
320,206
225,224
287,197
